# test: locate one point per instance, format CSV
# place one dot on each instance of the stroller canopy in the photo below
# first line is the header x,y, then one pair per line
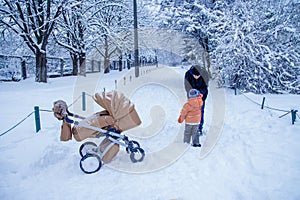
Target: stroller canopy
x,y
120,108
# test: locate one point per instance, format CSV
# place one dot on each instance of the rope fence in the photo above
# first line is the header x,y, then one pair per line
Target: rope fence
x,y
129,78
262,105
37,110
17,124
36,113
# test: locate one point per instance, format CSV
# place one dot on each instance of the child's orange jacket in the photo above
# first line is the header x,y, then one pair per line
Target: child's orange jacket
x,y
191,110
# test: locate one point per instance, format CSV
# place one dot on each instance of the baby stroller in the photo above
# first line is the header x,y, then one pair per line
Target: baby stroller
x,y
119,115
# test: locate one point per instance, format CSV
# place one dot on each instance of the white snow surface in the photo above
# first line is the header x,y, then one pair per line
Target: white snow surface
x,y
257,155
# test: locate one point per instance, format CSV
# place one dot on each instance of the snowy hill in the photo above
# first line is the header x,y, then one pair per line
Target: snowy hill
x,y
249,153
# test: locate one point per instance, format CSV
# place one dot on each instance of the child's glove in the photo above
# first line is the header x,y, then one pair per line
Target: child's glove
x,y
180,120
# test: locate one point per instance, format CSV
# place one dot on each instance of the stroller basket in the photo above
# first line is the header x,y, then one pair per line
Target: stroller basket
x,y
119,115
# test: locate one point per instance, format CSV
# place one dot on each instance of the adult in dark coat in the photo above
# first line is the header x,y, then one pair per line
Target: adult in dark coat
x,y
197,78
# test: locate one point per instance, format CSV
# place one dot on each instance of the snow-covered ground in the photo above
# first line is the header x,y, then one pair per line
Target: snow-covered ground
x,y
254,154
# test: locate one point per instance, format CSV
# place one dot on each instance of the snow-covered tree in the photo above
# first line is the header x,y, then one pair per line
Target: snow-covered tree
x,y
258,50
254,44
69,33
111,24
33,21
86,26
116,31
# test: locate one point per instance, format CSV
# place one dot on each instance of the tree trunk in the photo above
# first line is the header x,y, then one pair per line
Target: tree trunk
x,y
74,58
106,57
82,64
120,63
23,67
208,67
106,65
41,68
128,61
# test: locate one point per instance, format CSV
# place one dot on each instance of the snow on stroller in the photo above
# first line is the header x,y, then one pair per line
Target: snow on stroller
x,y
119,115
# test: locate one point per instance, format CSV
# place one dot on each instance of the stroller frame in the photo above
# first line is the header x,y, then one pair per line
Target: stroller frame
x,y
89,150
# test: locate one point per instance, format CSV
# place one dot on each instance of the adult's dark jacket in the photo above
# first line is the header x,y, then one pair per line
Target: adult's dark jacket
x,y
200,84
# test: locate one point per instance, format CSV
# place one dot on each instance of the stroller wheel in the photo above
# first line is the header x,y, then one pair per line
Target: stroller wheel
x,y
137,155
87,147
131,145
90,163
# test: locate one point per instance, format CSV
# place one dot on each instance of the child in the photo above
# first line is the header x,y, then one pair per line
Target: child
x,y
191,113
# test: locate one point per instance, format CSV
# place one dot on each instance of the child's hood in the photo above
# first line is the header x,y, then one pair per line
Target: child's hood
x,y
195,101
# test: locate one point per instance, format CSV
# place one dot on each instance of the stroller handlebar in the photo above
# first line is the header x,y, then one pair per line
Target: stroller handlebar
x,y
81,124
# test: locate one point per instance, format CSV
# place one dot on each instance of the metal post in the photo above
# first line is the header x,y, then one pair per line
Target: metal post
x,y
37,119
293,112
136,48
263,103
83,101
235,89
